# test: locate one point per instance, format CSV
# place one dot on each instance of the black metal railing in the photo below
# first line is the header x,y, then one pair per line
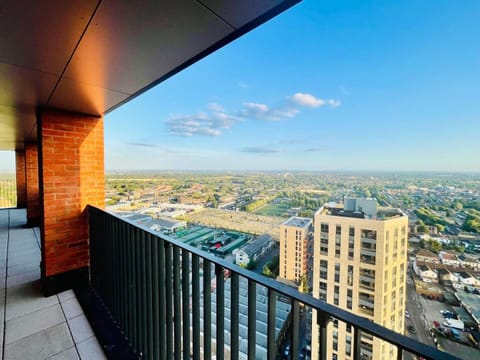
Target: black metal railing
x,y
159,292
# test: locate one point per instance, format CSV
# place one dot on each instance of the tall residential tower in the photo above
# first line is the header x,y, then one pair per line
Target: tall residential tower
x,y
295,235
360,261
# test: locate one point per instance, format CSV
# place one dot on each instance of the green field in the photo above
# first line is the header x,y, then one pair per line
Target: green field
x,y
274,210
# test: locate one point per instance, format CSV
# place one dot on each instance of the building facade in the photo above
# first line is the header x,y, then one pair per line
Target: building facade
x,y
295,237
360,262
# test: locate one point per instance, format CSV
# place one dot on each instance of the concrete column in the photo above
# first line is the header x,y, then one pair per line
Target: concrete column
x,y
72,176
21,179
33,196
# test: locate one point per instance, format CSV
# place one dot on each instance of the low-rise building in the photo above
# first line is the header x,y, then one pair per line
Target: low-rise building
x,y
425,273
166,225
449,258
427,256
253,250
468,279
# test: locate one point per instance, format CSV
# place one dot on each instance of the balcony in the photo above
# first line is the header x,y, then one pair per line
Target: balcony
x,y
170,299
37,327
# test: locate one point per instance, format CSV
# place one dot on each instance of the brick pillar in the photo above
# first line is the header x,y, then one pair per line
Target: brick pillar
x,y
21,179
33,196
72,176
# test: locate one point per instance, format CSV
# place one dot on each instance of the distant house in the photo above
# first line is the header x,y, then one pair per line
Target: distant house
x,y
448,278
426,256
253,250
425,273
166,225
449,258
469,261
468,279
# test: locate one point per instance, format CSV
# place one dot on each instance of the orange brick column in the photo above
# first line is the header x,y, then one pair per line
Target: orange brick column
x,y
33,196
21,179
71,177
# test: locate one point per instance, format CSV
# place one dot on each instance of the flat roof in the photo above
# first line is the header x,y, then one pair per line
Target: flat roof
x,y
382,213
299,222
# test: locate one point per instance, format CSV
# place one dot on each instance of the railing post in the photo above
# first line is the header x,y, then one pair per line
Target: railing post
x,y
271,341
252,318
220,324
186,304
196,307
295,328
169,299
357,337
207,310
322,321
234,298
177,300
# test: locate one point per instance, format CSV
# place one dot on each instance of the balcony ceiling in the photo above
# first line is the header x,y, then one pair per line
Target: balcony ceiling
x,y
91,56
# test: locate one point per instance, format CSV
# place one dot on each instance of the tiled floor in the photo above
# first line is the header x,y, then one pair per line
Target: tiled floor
x,y
31,325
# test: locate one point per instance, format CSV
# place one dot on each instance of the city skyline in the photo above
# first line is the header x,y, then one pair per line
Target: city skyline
x,y
324,86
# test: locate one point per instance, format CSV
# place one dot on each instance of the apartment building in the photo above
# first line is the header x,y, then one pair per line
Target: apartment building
x,y
360,262
295,236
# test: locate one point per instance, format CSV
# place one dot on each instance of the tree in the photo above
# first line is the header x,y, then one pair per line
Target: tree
x,y
435,246
266,271
423,229
303,287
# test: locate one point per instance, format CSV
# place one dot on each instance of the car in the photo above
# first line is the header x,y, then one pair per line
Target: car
x,y
407,314
411,329
436,324
286,351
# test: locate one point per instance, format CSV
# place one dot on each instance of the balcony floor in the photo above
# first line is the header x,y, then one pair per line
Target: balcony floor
x,y
33,326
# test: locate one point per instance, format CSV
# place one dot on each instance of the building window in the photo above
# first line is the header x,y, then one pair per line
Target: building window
x,y
337,272
349,299
338,230
350,275
324,228
336,292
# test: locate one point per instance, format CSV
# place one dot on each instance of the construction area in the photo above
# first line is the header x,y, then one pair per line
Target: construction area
x,y
237,221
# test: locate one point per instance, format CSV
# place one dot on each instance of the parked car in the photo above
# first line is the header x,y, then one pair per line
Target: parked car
x,y
407,314
411,329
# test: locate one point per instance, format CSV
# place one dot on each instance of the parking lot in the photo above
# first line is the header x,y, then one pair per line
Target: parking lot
x,y
423,312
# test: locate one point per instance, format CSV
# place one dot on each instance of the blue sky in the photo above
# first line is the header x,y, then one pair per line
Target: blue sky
x,y
328,85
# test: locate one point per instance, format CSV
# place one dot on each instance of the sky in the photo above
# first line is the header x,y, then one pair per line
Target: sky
x,y
327,85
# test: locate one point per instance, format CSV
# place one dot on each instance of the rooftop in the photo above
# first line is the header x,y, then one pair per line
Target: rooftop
x,y
427,253
299,222
256,245
37,327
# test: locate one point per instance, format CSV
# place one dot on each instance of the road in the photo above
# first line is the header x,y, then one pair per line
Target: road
x,y
274,251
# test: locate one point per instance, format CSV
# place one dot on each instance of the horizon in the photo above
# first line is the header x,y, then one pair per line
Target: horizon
x,y
325,85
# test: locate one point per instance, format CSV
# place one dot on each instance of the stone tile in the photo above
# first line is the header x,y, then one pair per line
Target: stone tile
x,y
63,296
22,269
69,354
23,278
71,308
25,299
90,349
22,326
41,345
80,328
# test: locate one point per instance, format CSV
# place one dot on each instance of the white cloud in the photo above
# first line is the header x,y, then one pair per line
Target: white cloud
x,y
334,103
263,112
307,100
217,118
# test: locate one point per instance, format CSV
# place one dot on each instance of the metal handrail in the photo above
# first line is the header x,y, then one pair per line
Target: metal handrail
x,y
325,310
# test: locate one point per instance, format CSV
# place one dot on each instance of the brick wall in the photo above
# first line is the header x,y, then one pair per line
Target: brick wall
x,y
21,179
33,196
72,176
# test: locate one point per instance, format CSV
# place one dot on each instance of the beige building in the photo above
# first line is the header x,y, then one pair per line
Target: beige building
x,y
295,235
360,262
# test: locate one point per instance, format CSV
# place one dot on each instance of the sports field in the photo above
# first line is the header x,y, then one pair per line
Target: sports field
x,y
238,221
